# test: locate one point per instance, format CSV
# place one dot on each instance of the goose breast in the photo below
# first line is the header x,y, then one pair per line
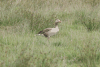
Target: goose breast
x,y
53,31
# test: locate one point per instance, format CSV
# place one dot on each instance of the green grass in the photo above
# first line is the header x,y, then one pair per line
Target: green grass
x,y
73,48
76,44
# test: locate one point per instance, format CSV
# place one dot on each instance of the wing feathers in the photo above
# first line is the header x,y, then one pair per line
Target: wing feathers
x,y
45,30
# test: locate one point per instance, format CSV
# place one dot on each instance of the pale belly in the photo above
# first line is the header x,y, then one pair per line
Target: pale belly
x,y
53,32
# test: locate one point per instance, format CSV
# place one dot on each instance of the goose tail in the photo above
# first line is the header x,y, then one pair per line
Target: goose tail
x,y
41,32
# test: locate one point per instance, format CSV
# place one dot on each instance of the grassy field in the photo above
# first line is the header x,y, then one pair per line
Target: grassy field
x,y
76,45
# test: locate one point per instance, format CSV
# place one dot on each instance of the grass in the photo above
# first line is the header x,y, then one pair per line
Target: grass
x,y
76,44
80,48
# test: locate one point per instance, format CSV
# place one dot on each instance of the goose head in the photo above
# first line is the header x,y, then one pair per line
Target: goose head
x,y
57,21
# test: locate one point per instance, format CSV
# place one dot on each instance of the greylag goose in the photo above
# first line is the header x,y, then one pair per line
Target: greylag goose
x,y
50,31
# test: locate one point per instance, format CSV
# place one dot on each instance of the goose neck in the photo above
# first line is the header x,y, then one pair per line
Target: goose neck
x,y
56,26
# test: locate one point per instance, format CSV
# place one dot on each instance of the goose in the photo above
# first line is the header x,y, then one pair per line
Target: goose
x,y
48,32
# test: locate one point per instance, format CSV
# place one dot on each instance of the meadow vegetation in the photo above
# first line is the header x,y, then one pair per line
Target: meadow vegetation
x,y
76,45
